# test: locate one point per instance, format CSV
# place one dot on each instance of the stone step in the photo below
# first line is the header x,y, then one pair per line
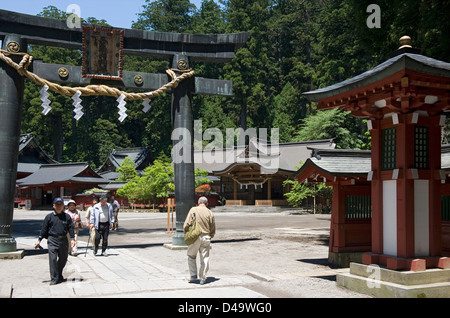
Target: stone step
x,y
433,275
384,283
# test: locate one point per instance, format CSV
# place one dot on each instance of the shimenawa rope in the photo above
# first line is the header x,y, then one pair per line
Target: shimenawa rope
x,y
90,90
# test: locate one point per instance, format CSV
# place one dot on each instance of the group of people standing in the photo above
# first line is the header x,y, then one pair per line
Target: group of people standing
x,y
61,231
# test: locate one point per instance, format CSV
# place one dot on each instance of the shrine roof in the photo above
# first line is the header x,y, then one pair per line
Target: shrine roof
x,y
349,163
413,62
141,157
63,172
31,155
288,155
338,162
114,185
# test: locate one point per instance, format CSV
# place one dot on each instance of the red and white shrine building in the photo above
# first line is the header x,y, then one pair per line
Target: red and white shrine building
x,y
404,100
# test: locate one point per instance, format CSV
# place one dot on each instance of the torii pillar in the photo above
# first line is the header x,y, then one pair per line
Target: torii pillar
x,y
11,98
183,169
404,99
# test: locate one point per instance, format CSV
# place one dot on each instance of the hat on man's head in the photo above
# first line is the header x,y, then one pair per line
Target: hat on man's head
x,y
72,201
103,197
58,200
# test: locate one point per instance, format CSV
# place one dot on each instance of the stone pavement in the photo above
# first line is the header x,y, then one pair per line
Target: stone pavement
x,y
253,256
122,273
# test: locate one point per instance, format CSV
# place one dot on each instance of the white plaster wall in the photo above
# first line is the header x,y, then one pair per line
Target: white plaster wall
x,y
421,218
390,217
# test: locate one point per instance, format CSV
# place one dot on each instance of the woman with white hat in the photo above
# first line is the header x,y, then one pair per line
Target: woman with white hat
x,y
78,225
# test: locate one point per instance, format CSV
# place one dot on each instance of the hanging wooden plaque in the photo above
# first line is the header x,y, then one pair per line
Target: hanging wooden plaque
x,y
102,53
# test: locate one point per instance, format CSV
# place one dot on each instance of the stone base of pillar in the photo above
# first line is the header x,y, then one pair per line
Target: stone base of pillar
x,y
8,249
7,244
174,247
178,240
12,255
410,264
343,259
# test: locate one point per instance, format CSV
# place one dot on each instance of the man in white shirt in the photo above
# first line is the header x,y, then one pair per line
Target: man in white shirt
x,y
102,218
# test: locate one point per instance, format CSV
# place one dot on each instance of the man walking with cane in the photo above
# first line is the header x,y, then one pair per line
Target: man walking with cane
x,y
55,228
102,218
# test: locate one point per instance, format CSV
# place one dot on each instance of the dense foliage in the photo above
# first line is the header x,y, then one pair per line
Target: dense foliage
x,y
294,46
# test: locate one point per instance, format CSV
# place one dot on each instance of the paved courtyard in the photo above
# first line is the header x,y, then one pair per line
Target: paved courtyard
x,y
254,255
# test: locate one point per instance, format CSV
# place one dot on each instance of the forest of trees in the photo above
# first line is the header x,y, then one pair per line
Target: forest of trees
x,y
294,46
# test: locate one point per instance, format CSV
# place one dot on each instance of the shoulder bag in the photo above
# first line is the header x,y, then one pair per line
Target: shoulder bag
x,y
193,232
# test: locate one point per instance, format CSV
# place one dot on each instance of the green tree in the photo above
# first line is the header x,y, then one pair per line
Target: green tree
x,y
158,180
250,71
126,171
109,137
297,194
132,190
201,177
301,191
285,113
208,19
333,123
426,22
165,16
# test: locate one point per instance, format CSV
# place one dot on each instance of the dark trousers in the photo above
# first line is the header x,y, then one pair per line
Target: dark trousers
x,y
101,233
58,249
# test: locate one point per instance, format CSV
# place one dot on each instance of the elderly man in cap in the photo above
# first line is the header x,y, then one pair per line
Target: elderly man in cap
x,y
102,218
55,228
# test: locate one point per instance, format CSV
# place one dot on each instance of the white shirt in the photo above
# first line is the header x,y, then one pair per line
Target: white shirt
x,y
104,214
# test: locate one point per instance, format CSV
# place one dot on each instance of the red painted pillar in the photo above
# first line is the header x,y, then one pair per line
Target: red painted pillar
x,y
405,188
337,235
376,189
435,216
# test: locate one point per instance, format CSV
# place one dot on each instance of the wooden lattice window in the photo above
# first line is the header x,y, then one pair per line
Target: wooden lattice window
x,y
358,207
445,207
421,148
388,151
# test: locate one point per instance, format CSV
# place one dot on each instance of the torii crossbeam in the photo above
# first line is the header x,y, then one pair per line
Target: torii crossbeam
x,y
19,30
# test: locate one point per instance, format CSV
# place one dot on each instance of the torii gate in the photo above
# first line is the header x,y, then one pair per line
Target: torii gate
x,y
19,30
